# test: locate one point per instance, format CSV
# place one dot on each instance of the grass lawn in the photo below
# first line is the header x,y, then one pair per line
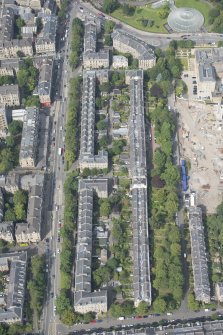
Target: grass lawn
x,y
203,7
184,62
144,12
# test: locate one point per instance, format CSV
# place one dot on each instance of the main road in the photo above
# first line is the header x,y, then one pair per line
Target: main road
x,y
55,192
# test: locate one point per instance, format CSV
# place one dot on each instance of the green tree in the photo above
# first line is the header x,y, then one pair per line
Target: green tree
x,y
128,10
39,24
88,317
32,101
171,176
164,12
159,160
15,128
101,125
4,329
7,80
69,317
110,5
62,303
108,40
74,59
109,26
142,308
105,87
105,208
159,305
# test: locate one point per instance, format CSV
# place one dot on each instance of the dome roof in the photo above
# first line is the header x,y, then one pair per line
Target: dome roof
x,y
185,20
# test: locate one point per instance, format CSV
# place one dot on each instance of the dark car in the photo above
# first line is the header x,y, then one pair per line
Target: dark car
x,y
58,239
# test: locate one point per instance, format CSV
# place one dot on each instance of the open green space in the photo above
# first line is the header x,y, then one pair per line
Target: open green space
x,y
203,7
142,13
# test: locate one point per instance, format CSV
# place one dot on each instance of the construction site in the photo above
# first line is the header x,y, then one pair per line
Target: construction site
x,y
201,142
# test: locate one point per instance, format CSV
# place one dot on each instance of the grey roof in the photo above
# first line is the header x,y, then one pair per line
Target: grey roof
x,y
16,287
87,153
90,36
206,72
138,169
209,55
102,55
9,89
1,206
100,185
198,254
26,42
29,133
6,23
10,64
88,113
48,33
144,50
7,228
34,212
220,287
45,76
83,294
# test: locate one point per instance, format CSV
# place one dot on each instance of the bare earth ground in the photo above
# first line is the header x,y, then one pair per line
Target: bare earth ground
x,y
201,141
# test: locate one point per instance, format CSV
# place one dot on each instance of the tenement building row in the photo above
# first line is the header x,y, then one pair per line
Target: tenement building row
x,y
10,94
138,174
88,158
44,42
29,231
84,299
199,255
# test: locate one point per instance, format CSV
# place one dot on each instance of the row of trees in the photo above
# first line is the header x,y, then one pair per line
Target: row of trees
x,y
215,243
168,280
27,79
110,6
108,29
161,76
37,284
15,329
64,303
9,150
76,42
16,210
73,120
165,174
215,17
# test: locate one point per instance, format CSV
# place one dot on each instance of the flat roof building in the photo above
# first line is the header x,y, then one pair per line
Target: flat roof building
x,y
84,299
199,256
138,173
29,142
